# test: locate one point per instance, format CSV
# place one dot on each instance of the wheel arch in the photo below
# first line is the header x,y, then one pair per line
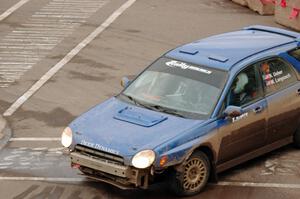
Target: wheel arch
x,y
207,150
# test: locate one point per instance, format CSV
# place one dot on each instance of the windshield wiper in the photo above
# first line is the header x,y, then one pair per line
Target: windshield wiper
x,y
136,102
154,107
167,110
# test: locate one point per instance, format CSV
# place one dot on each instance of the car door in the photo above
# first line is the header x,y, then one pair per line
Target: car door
x,y
247,132
282,95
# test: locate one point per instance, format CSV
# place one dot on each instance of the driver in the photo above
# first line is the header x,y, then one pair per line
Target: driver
x,y
238,93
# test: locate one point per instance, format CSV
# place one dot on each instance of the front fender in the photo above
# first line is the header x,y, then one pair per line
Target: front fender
x,y
183,146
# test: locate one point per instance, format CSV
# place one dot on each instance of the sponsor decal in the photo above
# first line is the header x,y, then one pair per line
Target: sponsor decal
x,y
99,147
235,119
275,77
283,78
185,66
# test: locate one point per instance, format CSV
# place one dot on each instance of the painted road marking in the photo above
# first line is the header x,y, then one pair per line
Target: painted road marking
x,y
45,179
13,9
20,101
37,159
42,32
34,139
255,184
238,184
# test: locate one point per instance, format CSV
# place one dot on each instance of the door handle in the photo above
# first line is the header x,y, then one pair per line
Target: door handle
x,y
258,109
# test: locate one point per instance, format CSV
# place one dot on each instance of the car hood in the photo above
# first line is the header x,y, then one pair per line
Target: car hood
x,y
123,129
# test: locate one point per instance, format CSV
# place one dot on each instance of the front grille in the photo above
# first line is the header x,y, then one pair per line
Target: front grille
x,y
97,154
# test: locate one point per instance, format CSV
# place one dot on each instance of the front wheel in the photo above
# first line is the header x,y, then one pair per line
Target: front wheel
x,y
193,177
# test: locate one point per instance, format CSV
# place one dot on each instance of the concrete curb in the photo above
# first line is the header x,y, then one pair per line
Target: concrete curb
x,y
5,132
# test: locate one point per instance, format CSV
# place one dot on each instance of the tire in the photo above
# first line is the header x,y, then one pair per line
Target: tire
x,y
297,138
193,177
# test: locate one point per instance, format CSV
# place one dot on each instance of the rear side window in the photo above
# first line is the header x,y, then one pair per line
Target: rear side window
x,y
295,54
276,74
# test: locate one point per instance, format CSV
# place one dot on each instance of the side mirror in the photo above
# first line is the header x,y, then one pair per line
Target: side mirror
x,y
233,111
125,82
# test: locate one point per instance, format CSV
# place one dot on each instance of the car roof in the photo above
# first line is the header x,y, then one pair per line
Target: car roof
x,y
226,50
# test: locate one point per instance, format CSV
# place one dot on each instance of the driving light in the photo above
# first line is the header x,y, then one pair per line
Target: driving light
x,y
143,159
163,161
66,137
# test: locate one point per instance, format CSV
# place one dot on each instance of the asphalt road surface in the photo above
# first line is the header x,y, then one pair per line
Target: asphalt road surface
x,y
39,35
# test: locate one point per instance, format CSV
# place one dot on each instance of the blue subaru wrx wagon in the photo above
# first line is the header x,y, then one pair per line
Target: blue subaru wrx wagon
x,y
196,111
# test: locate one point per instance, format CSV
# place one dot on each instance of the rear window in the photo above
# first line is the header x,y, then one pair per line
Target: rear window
x,y
295,54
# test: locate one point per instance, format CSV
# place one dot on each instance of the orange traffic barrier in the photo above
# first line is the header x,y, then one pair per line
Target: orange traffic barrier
x,y
263,7
287,13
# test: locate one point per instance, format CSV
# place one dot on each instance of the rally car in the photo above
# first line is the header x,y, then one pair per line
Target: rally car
x,y
196,111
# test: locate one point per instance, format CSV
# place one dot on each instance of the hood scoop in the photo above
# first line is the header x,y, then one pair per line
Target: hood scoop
x,y
142,118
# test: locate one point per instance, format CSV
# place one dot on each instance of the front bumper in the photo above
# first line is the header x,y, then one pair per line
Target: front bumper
x,y
124,177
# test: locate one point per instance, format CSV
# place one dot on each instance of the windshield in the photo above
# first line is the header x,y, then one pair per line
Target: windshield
x,y
177,88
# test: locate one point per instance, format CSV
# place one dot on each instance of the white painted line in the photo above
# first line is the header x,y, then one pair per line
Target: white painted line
x,y
50,25
23,44
45,179
26,48
45,29
61,16
24,53
7,81
255,184
30,39
19,36
74,9
78,4
33,139
39,41
24,59
12,71
238,184
39,149
15,63
17,71
33,32
20,101
54,21
10,74
55,10
14,68
50,35
13,9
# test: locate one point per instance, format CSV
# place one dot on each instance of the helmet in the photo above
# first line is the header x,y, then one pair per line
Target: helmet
x,y
242,80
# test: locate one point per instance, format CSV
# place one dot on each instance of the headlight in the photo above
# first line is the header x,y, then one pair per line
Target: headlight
x,y
66,137
143,159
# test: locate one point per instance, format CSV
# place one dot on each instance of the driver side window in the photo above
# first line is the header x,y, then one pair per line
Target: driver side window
x,y
245,89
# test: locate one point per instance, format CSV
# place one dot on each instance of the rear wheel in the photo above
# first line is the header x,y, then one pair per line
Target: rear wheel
x,y
297,138
193,177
